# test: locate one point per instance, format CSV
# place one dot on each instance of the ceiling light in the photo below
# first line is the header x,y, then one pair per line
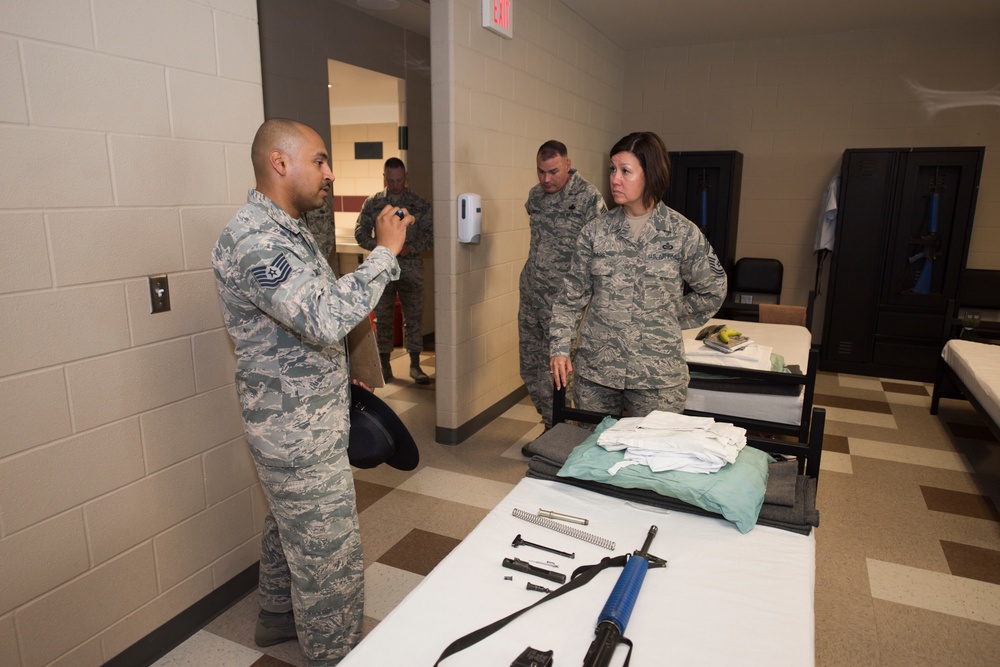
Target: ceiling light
x,y
378,4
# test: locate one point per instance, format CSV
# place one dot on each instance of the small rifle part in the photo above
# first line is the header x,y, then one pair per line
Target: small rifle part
x,y
532,657
518,542
549,514
528,568
564,529
546,563
509,577
617,610
536,587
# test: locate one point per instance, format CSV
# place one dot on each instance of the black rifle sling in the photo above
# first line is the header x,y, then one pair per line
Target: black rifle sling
x,y
581,576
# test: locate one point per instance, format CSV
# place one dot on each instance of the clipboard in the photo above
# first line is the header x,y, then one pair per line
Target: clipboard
x,y
362,355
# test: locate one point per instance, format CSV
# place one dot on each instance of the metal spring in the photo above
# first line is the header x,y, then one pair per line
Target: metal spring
x,y
565,530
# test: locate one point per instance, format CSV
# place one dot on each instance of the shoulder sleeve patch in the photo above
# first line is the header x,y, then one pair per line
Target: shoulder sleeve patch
x,y
273,274
716,266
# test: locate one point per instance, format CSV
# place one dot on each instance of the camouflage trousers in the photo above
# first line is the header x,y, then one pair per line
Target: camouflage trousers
x,y
589,395
410,288
311,561
533,343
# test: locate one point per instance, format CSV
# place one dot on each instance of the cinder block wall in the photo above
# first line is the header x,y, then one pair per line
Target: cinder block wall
x,y
792,106
126,488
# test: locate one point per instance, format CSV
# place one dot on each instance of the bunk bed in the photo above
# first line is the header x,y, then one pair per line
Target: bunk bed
x,y
969,367
751,395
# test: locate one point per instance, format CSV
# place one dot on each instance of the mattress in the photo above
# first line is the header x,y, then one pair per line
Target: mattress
x,y
791,342
724,597
977,365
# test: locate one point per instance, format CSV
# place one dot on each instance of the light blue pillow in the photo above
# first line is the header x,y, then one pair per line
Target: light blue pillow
x,y
736,491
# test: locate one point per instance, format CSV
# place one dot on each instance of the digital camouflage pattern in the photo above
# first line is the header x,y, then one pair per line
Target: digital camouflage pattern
x,y
630,402
324,560
320,223
631,337
410,286
555,221
288,316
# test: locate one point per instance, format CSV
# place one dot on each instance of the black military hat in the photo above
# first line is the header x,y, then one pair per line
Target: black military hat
x,y
378,435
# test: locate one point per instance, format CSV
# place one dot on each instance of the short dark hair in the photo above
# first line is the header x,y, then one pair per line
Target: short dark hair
x,y
394,163
552,148
281,133
654,160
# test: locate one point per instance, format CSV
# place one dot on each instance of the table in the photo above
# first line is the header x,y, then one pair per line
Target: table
x,y
724,598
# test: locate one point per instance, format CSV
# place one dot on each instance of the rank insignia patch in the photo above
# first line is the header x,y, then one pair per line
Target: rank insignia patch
x,y
273,274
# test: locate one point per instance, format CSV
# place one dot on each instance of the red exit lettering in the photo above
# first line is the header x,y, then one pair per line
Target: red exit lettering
x,y
501,13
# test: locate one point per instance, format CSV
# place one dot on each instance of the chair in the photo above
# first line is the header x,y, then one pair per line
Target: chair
x,y
754,281
773,313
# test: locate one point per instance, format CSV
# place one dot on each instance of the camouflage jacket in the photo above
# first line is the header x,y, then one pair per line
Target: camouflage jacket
x,y
320,223
419,235
555,221
631,337
288,315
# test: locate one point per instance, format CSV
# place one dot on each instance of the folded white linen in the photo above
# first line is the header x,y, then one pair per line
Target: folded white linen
x,y
669,441
684,462
680,442
661,419
755,356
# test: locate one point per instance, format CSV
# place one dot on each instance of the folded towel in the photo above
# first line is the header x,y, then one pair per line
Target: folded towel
x,y
781,476
669,441
661,419
753,356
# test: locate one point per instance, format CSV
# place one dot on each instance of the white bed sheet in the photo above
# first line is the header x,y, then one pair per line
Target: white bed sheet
x,y
724,598
978,366
791,342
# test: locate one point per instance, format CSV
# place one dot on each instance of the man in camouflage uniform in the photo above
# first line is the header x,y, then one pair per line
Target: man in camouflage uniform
x,y
410,286
629,272
558,208
320,223
288,316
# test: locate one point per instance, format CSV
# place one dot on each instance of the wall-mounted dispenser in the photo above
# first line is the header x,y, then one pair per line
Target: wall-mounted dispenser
x,y
470,217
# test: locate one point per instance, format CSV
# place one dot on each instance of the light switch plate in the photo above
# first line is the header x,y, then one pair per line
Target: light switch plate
x,y
159,294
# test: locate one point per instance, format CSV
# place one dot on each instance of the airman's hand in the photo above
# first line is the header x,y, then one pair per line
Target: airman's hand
x,y
390,229
561,367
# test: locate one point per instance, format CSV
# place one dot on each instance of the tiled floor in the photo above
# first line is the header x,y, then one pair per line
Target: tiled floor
x,y
908,550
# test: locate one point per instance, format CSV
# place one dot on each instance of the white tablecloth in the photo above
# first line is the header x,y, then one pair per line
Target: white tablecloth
x,y
723,599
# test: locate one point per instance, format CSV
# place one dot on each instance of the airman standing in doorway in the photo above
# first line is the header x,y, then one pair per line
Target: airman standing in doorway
x,y
410,286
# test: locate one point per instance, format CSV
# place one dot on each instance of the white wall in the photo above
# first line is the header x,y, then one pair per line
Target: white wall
x,y
495,101
126,488
792,106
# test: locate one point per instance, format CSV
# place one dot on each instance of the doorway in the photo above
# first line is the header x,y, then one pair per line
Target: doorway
x,y
368,125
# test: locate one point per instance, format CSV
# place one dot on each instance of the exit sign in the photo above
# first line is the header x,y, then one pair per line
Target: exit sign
x,y
497,17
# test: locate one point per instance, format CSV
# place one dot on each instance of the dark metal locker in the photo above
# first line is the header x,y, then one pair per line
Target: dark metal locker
x,y
903,228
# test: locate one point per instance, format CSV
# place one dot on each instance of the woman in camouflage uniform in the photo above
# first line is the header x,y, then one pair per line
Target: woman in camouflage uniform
x,y
629,272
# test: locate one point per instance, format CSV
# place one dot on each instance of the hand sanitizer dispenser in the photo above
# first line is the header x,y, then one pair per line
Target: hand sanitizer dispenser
x,y
470,217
